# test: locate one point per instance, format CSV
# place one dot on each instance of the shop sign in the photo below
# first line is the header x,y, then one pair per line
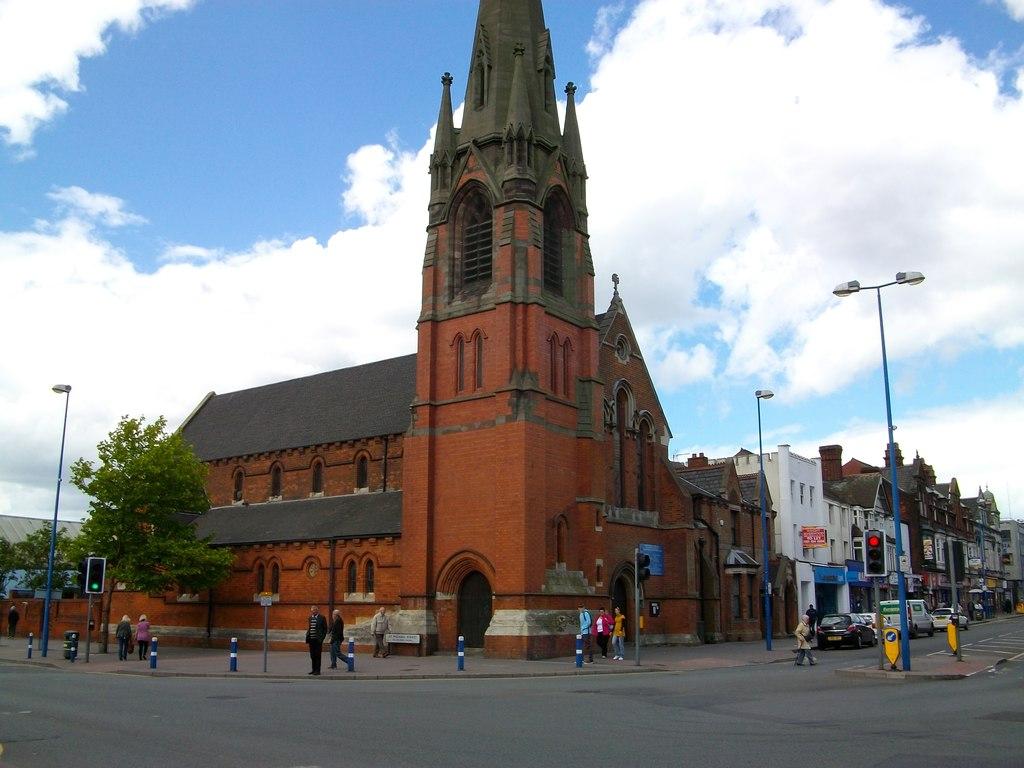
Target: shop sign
x,y
814,537
928,544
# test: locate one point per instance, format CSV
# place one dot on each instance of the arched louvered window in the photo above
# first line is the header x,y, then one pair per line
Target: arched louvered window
x,y
275,578
476,239
555,222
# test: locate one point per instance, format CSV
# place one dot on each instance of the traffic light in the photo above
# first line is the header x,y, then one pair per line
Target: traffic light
x,y
643,566
874,553
95,569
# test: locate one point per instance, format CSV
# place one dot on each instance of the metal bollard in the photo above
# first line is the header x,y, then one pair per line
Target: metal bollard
x,y
351,660
462,654
579,651
152,654
30,645
233,664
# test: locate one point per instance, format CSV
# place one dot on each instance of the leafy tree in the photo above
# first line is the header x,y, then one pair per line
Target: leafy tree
x,y
141,491
32,554
8,563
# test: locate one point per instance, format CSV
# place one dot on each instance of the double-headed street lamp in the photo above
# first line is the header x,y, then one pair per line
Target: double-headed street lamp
x,y
764,394
842,290
60,389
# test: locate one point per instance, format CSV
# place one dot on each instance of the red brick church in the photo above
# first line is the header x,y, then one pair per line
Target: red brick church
x,y
489,483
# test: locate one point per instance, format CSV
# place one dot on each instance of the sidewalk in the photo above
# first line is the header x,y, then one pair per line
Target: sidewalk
x,y
175,661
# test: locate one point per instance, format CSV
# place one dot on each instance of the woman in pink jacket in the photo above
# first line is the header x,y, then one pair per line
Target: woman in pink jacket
x,y
142,636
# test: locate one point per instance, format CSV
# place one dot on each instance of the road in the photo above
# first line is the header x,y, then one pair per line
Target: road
x,y
766,715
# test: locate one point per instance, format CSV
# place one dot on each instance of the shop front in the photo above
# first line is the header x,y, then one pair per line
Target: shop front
x,y
830,589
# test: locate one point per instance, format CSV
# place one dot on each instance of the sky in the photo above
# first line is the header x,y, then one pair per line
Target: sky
x,y
200,195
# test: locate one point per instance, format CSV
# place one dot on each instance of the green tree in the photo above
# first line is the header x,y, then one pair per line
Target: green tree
x,y
8,564
142,491
32,554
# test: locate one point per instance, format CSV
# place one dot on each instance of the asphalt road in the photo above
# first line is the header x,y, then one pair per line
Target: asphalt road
x,y
768,715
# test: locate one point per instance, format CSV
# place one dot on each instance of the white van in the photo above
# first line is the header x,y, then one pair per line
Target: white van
x,y
918,618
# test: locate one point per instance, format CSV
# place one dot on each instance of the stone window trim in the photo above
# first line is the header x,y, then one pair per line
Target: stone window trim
x,y
238,486
473,242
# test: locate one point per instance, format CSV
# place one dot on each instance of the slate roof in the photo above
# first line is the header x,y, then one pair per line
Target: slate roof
x,y
354,516
15,529
737,558
347,404
749,489
855,490
708,479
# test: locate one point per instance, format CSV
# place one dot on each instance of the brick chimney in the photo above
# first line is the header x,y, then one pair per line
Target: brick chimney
x,y
899,456
831,462
697,461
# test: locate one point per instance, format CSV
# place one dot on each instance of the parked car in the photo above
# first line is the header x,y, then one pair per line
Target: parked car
x,y
942,616
838,629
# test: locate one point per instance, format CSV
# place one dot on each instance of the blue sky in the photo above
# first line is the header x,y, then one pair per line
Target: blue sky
x,y
175,172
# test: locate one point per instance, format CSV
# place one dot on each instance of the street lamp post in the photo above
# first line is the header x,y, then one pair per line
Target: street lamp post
x,y
61,389
764,394
842,290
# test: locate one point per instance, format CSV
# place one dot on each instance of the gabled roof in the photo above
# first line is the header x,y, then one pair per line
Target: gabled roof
x,y
738,559
348,404
749,487
855,490
357,515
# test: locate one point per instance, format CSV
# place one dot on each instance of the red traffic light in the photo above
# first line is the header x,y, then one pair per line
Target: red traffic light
x,y
874,541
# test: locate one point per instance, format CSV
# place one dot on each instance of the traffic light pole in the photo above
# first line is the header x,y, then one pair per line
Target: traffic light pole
x,y
878,623
88,632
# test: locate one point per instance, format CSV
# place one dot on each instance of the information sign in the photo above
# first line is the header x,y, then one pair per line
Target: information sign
x,y
657,555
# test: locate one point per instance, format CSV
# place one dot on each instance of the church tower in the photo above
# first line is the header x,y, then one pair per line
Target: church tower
x,y
507,416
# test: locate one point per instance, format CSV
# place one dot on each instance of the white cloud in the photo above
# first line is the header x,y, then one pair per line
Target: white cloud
x,y
104,209
797,144
42,43
1015,8
153,343
977,442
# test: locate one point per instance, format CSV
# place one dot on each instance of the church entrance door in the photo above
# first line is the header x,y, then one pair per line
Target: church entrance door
x,y
474,609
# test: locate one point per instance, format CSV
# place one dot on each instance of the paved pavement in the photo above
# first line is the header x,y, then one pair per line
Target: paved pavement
x,y
206,662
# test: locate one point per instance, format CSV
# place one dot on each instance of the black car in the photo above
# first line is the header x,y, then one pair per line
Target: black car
x,y
837,629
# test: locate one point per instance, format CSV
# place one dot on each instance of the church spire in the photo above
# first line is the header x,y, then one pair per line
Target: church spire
x,y
444,146
502,28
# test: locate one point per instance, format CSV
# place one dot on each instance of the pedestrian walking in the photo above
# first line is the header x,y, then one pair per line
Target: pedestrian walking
x,y
603,630
812,618
379,627
586,624
803,648
12,621
123,633
142,636
337,635
315,634
619,636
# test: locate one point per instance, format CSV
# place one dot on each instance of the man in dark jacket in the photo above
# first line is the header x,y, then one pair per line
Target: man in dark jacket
x,y
12,621
315,638
337,635
812,622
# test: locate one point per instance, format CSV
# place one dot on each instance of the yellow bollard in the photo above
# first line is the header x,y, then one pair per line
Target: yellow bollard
x,y
953,634
891,643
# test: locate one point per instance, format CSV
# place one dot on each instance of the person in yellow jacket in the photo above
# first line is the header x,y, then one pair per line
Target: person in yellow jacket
x,y
619,636
803,645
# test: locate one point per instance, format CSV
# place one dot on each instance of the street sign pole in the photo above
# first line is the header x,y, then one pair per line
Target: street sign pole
x,y
878,624
636,603
88,632
266,600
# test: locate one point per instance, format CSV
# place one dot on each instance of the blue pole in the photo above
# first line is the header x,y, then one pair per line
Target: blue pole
x,y
29,645
43,644
234,654
462,653
351,660
901,583
152,654
579,651
764,536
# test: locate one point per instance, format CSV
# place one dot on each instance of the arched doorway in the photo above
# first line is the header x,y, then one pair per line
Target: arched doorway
x,y
621,599
474,609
